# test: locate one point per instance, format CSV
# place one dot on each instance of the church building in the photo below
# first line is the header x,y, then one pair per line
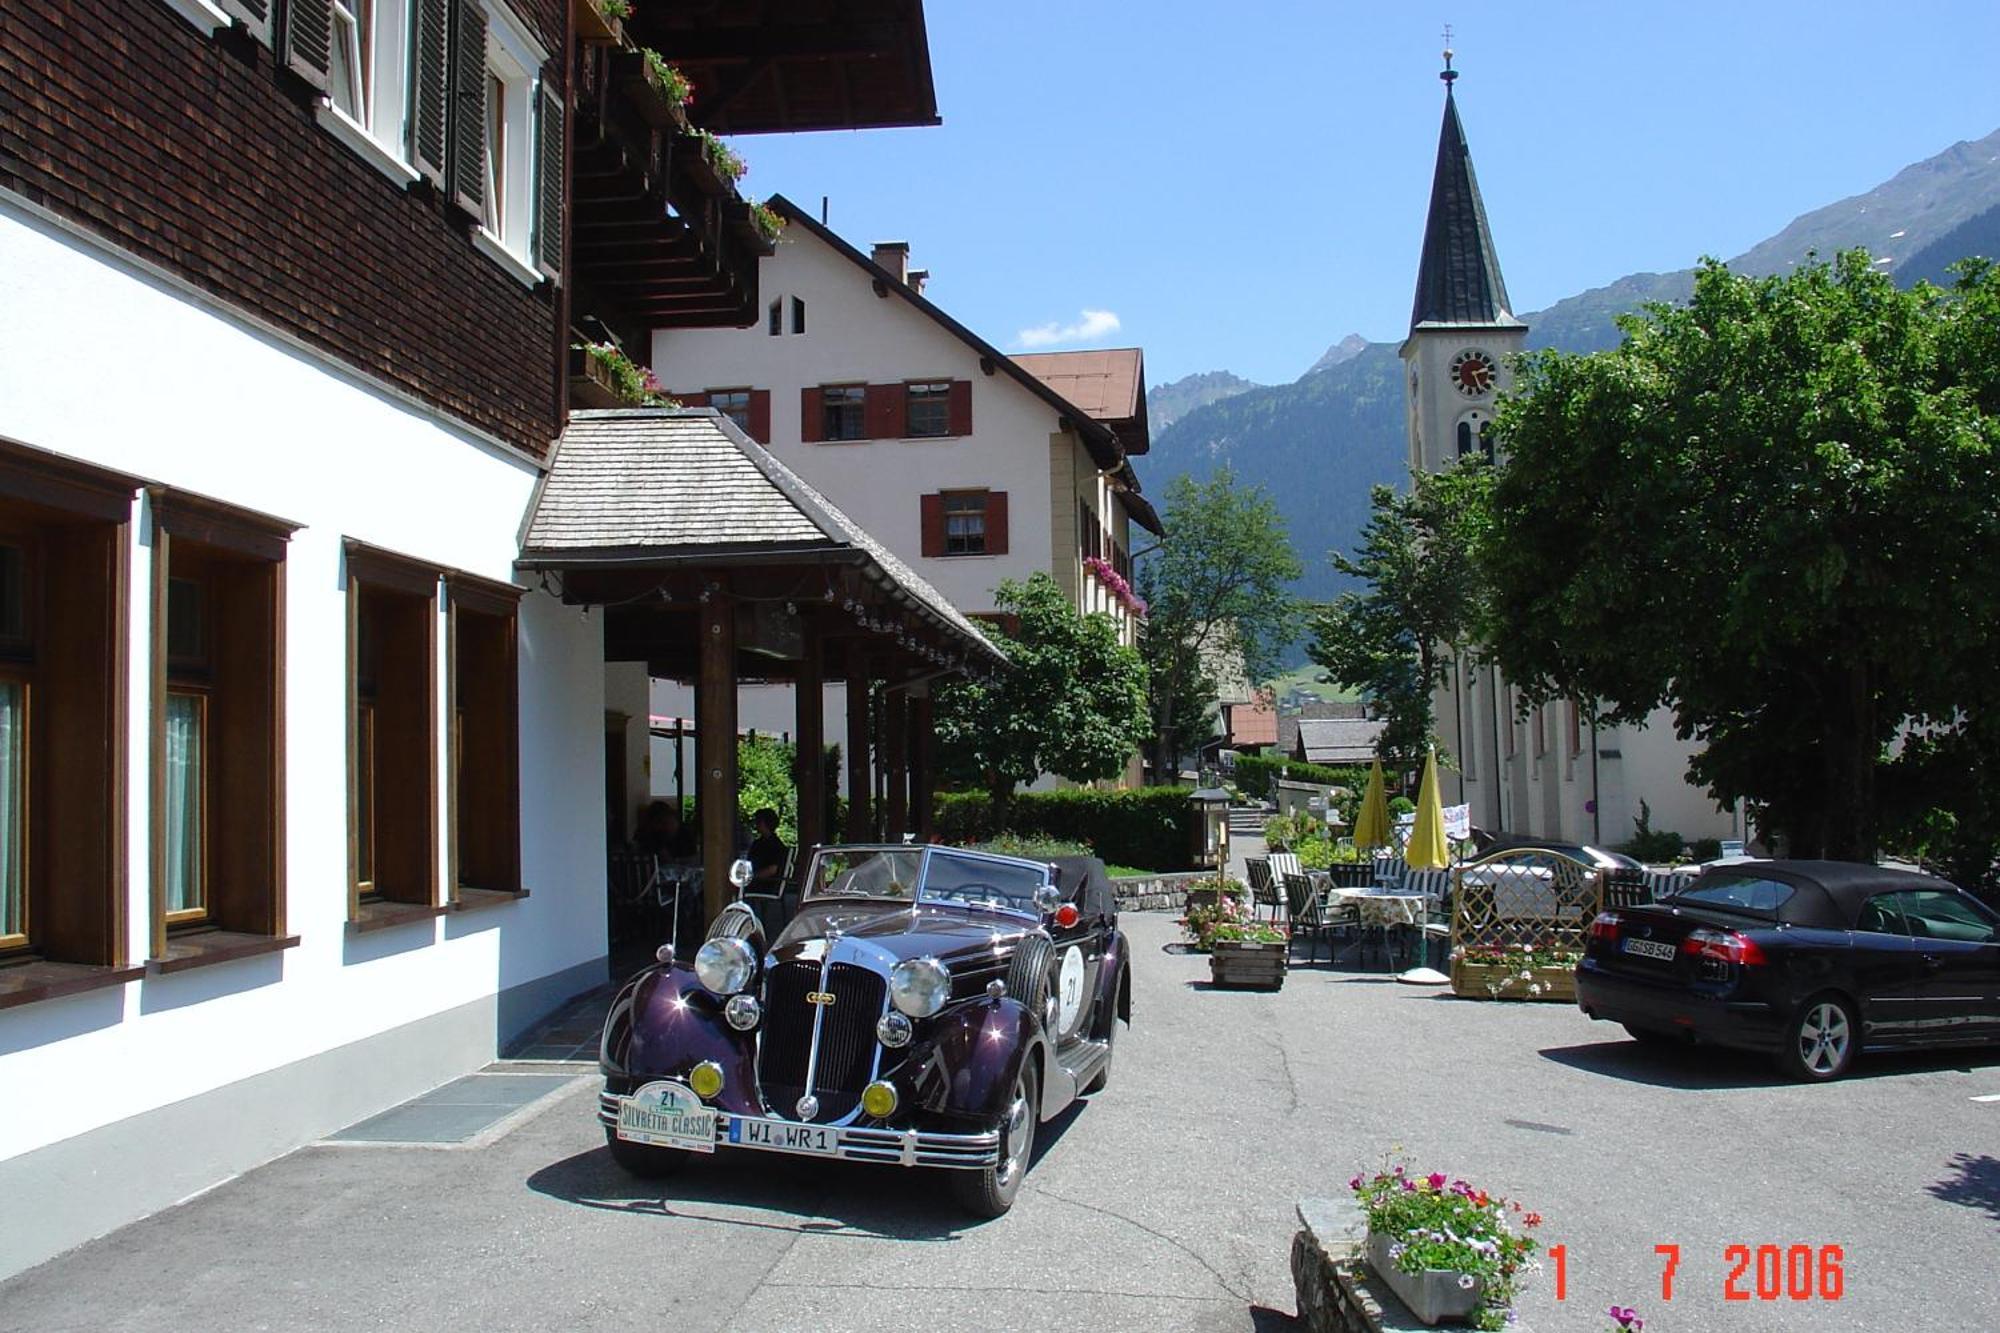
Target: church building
x,y
1551,772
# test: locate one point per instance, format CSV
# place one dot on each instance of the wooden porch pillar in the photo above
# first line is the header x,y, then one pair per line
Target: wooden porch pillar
x,y
860,787
809,767
895,758
922,759
715,750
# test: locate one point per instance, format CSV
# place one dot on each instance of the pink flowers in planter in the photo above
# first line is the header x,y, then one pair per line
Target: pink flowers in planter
x,y
1115,584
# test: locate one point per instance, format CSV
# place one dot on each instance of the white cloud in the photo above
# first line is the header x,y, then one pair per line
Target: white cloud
x,y
1093,324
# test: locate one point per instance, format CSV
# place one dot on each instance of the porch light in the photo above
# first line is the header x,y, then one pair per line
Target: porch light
x,y
1211,807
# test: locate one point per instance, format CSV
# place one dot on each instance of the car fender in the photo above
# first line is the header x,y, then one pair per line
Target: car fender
x,y
676,1024
977,1050
1114,990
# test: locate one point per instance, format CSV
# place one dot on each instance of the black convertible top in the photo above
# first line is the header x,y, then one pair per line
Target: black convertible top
x,y
1085,882
1843,886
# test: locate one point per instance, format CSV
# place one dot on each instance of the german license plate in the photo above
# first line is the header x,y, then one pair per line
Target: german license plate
x,y
1651,949
820,1140
667,1115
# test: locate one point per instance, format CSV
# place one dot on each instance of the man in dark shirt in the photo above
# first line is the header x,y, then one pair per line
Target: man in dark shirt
x,y
767,853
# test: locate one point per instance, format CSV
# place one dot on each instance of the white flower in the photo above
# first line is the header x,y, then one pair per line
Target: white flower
x,y
1465,1281
1535,989
1527,976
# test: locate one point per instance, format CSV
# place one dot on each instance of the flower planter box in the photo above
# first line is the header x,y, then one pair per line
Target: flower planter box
x,y
632,76
1248,966
593,26
1493,981
737,214
1433,1295
590,383
1204,897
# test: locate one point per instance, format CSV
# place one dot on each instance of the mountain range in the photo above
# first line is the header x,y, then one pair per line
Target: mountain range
x,y
1319,443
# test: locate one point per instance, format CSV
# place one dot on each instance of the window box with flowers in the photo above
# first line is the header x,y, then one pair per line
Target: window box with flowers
x,y
601,20
1514,972
655,86
709,163
1449,1250
755,225
601,375
1115,584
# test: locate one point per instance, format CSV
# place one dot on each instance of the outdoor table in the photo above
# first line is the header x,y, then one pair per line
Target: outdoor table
x,y
1385,910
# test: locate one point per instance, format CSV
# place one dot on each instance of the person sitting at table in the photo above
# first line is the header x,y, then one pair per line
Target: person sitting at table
x,y
767,853
663,834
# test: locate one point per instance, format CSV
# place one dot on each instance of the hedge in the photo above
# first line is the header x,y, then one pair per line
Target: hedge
x,y
1255,772
1148,828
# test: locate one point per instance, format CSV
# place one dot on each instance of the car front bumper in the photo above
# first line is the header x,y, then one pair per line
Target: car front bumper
x,y
1751,1025
856,1143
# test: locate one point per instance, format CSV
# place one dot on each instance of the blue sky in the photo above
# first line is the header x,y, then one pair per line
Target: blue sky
x,y
1237,186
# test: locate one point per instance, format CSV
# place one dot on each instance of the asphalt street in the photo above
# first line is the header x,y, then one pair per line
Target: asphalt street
x,y
1165,1203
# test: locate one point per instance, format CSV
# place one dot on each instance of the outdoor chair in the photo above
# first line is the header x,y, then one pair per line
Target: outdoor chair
x,y
1625,888
1283,864
1263,891
1307,920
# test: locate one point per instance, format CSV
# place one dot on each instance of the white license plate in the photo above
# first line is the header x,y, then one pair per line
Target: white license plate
x,y
820,1140
667,1115
1651,949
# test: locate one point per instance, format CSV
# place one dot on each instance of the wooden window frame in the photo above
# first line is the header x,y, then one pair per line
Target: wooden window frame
x,y
468,598
834,413
929,394
747,395
239,556
985,499
12,942
372,570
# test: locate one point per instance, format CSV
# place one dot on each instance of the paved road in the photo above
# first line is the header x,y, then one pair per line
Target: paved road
x,y
1164,1205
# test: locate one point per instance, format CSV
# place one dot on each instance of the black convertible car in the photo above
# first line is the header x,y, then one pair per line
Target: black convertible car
x,y
1813,961
927,1006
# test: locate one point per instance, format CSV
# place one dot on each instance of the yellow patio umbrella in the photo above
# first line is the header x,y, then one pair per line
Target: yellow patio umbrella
x,y
1371,821
1427,849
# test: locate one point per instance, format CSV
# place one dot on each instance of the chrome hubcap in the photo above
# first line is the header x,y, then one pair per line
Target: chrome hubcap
x,y
1823,1038
1018,1141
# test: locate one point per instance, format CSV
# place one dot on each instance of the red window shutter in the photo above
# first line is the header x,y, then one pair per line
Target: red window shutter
x,y
996,522
933,515
691,399
959,408
885,411
760,415
812,416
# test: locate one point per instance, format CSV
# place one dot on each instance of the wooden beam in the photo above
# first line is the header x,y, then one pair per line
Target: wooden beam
x,y
923,769
860,787
715,750
809,733
895,758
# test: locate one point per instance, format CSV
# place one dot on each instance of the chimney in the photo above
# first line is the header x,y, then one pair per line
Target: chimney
x,y
918,277
895,257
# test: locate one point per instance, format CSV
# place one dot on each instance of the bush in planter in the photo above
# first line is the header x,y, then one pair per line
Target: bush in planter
x,y
1147,828
1435,1224
1207,916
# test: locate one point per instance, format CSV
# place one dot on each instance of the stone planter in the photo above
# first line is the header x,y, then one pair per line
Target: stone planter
x,y
1247,966
1490,981
1433,1295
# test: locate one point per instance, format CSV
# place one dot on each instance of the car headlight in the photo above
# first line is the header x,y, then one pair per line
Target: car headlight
x,y
893,1030
919,986
725,964
742,1011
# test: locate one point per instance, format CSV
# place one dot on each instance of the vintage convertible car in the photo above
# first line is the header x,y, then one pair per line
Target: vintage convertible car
x,y
927,1006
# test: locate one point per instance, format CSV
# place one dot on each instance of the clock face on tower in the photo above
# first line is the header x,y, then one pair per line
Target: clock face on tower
x,y
1474,373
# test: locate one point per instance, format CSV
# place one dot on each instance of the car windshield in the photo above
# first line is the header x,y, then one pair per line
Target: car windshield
x,y
932,874
1738,893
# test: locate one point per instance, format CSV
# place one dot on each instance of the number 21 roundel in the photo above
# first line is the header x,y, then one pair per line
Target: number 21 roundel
x,y
1069,989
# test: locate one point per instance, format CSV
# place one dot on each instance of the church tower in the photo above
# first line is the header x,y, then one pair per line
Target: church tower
x,y
1461,328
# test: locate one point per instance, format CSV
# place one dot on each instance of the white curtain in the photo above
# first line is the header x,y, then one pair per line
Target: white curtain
x,y
13,779
183,814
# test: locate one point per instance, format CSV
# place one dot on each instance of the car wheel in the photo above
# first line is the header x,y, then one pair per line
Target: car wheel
x,y
1653,1036
1102,1078
1821,1040
643,1159
990,1191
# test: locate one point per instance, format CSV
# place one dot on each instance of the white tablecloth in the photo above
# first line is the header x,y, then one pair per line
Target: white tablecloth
x,y
1383,909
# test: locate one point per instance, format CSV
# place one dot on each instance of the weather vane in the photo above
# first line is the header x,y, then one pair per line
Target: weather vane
x,y
1450,74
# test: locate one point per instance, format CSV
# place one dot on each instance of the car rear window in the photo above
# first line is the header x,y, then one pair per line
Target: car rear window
x,y
1738,893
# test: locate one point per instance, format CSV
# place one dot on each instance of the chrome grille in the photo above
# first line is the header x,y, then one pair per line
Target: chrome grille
x,y
847,1037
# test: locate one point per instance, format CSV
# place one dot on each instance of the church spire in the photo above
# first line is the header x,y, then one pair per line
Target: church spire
x,y
1458,279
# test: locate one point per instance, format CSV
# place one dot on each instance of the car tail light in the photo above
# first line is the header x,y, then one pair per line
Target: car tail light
x,y
1725,946
1605,927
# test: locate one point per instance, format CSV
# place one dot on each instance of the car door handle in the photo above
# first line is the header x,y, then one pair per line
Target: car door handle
x,y
1933,963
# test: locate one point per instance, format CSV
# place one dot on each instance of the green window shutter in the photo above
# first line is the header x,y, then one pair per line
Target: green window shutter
x,y
466,164
308,40
549,183
253,15
430,77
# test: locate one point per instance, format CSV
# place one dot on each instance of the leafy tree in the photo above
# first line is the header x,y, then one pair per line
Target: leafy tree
x,y
1217,584
1394,640
1073,704
1773,510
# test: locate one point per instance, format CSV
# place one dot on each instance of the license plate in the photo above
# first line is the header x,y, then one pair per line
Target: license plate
x,y
820,1140
1652,949
667,1115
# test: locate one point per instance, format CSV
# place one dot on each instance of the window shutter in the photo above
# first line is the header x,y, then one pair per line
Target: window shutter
x,y
933,516
996,522
884,412
468,109
692,399
431,78
549,182
254,15
812,416
308,46
959,407
760,415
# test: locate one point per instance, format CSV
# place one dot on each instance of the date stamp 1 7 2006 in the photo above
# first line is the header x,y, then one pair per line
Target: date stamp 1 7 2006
x,y
1748,1272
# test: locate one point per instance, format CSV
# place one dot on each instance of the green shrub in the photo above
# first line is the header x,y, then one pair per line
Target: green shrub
x,y
1704,849
1255,773
1150,828
1036,848
1651,845
1401,805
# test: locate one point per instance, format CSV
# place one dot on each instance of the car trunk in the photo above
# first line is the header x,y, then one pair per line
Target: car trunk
x,y
1651,944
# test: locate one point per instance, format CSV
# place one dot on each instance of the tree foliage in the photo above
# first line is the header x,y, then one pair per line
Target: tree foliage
x,y
1776,511
1419,607
1073,704
1218,584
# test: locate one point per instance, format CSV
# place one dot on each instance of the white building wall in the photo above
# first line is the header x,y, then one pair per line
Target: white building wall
x,y
199,401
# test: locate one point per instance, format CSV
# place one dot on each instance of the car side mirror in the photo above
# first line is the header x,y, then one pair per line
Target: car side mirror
x,y
740,872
